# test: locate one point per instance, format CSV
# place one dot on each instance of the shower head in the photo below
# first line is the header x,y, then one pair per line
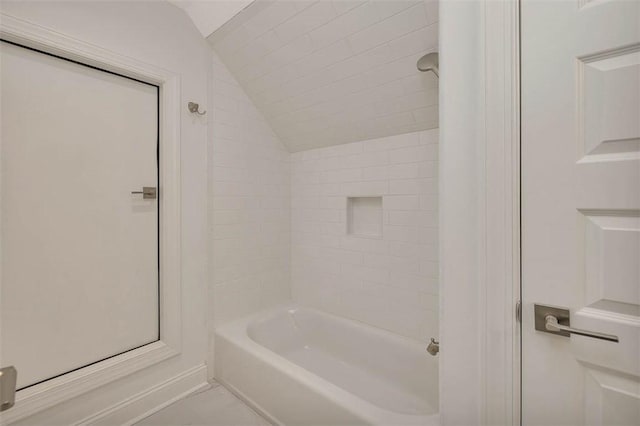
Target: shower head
x,y
429,62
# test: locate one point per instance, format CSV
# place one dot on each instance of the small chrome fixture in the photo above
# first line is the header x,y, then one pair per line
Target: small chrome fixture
x,y
434,347
555,320
148,192
429,62
8,376
195,108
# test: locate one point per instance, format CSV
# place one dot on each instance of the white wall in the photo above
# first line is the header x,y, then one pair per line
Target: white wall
x,y
390,282
208,16
159,34
462,177
250,206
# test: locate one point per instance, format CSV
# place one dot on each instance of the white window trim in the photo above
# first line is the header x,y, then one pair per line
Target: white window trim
x,y
47,394
480,212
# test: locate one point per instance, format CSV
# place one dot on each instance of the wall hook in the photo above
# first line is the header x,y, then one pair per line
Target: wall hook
x,y
194,107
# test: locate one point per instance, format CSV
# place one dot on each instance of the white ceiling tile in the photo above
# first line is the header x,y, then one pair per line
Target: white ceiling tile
x,y
359,63
269,18
266,43
345,87
397,120
233,41
389,29
432,9
400,68
289,53
277,109
390,90
408,102
421,81
388,8
330,72
425,114
424,39
252,52
273,79
307,99
355,20
319,13
323,58
343,6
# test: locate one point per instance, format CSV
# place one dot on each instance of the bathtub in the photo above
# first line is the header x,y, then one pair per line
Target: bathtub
x,y
299,366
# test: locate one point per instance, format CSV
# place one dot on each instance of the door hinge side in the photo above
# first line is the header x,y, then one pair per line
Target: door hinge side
x,y
518,311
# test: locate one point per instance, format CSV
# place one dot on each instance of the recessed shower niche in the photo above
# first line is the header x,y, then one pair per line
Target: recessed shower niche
x,y
364,217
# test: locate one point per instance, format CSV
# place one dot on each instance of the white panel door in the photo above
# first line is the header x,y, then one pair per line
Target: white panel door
x,y
79,262
581,209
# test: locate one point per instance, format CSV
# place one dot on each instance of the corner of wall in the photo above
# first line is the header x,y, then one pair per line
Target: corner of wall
x,y
249,206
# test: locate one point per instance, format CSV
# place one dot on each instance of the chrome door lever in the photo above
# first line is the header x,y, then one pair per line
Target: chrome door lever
x,y
554,320
148,192
8,376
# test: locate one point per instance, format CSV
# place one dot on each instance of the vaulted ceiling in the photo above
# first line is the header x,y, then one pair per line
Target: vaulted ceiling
x,y
331,72
210,15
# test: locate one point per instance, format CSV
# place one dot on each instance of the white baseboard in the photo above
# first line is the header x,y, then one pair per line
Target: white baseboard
x,y
144,404
250,402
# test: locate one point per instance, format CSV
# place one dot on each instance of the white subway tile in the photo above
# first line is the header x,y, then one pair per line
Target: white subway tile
x,y
364,273
375,173
378,261
405,186
429,202
343,175
333,203
403,233
409,218
401,202
429,269
411,154
393,142
366,159
365,188
406,171
427,235
429,137
405,249
400,268
251,206
364,245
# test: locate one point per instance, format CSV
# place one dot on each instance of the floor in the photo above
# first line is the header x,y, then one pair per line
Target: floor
x,y
212,407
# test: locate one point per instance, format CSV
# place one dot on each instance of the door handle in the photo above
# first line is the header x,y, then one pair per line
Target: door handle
x,y
555,320
8,376
148,192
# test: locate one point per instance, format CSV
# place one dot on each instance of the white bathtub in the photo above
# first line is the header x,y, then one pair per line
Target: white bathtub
x,y
299,366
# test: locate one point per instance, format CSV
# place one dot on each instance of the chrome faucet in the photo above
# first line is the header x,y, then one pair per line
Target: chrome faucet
x,y
434,347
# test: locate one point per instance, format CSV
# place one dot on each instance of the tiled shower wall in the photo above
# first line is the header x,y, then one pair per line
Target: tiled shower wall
x,y
279,221
389,281
250,204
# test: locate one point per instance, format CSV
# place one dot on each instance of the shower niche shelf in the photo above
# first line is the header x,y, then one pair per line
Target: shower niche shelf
x,y
364,217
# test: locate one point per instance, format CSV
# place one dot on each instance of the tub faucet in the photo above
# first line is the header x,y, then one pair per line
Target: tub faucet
x,y
434,347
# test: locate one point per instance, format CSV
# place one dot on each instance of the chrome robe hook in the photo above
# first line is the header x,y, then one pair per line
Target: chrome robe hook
x,y
194,107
